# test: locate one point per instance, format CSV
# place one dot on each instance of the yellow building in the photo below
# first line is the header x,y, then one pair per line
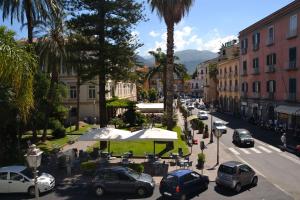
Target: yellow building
x,y
228,78
210,93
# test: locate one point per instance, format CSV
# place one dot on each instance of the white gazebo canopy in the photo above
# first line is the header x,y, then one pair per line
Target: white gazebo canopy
x,y
105,134
154,134
150,107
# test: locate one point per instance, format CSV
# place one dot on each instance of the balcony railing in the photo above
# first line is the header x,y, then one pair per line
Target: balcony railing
x,y
291,97
255,70
244,51
270,41
256,95
255,46
270,69
291,65
291,33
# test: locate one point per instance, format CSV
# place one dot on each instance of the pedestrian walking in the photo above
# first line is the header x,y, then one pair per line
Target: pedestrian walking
x,y
283,140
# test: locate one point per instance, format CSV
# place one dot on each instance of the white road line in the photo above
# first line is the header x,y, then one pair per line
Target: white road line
x,y
290,158
255,150
233,151
258,172
244,150
274,148
282,190
265,149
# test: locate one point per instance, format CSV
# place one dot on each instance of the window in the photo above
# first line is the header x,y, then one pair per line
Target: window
x,y
189,177
292,85
16,177
293,54
271,59
245,67
92,92
201,71
197,86
235,69
244,46
245,87
270,35
3,175
256,87
224,52
293,23
256,40
73,92
255,63
271,86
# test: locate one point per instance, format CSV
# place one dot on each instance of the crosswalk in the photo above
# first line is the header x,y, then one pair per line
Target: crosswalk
x,y
254,150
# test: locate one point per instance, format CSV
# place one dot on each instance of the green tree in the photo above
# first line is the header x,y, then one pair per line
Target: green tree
x,y
34,11
152,95
17,69
172,12
213,71
107,25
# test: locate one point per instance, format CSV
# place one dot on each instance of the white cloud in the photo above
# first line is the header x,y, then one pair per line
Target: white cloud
x,y
154,34
185,37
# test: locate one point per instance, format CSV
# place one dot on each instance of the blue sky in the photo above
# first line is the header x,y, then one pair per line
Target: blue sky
x,y
209,24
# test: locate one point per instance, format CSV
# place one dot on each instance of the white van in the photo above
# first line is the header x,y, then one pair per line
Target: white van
x,y
19,179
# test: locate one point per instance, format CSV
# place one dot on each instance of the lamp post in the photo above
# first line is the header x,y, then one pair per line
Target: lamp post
x,y
70,124
34,157
211,125
218,134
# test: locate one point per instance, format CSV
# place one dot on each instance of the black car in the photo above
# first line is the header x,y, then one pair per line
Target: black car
x,y
181,183
242,137
122,180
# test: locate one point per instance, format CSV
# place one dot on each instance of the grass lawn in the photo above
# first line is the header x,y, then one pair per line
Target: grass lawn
x,y
140,147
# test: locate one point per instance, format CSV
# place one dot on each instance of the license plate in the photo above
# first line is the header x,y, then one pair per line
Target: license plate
x,y
167,193
248,142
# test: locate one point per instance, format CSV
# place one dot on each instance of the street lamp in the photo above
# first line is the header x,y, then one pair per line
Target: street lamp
x,y
218,134
34,157
211,125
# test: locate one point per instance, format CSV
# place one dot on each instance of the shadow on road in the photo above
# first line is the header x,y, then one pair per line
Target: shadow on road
x,y
228,192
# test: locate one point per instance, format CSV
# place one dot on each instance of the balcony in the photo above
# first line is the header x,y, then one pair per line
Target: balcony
x,y
256,95
270,41
244,73
255,71
291,65
291,34
291,97
271,95
244,51
255,46
270,69
244,94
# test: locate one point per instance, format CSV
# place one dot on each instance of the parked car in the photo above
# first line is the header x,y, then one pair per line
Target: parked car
x,y
202,115
190,107
220,125
19,179
235,175
122,180
242,137
181,183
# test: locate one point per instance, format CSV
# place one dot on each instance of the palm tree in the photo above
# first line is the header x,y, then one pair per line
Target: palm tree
x,y
52,55
161,66
172,12
34,11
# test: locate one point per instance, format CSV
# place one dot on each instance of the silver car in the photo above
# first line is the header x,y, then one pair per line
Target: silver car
x,y
235,175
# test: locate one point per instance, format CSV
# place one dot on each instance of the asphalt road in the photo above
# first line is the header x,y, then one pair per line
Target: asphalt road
x,y
282,169
263,191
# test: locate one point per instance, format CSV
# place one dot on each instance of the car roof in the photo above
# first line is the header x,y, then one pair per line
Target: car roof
x,y
180,172
13,168
242,130
232,163
114,168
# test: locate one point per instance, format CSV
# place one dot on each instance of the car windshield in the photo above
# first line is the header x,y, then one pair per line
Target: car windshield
x,y
172,180
133,174
202,113
226,169
219,124
245,135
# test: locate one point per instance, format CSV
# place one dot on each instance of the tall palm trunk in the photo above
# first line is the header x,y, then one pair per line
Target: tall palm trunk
x,y
102,70
169,74
78,100
29,18
165,86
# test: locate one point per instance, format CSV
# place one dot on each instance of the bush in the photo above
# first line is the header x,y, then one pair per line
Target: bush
x,y
136,167
129,116
140,118
54,124
59,132
88,166
165,119
201,157
118,122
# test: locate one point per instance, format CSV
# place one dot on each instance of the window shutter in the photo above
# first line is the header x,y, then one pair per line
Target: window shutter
x,y
268,85
258,38
253,87
274,86
274,59
258,86
267,60
246,87
246,43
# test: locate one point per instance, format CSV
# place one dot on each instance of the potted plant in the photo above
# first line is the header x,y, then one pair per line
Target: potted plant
x,y
201,160
205,135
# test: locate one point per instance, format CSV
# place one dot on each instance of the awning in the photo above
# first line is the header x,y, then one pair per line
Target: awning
x,y
151,107
154,134
290,110
105,134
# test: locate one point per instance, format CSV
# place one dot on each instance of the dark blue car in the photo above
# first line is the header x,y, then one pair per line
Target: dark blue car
x,y
182,183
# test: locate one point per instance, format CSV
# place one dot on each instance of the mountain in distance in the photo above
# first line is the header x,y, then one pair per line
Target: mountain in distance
x,y
190,58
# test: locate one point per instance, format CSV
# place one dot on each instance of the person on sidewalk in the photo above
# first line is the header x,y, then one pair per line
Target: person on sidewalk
x,y
283,140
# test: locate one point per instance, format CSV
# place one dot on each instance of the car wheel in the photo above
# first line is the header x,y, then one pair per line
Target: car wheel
x,y
254,181
237,187
31,191
99,191
183,197
141,191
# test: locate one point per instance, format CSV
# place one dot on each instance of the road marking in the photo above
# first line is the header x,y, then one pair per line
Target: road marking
x,y
274,148
265,149
255,150
290,158
244,150
233,151
282,190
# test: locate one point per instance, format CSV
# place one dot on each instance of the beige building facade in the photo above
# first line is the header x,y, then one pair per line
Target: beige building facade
x,y
210,93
